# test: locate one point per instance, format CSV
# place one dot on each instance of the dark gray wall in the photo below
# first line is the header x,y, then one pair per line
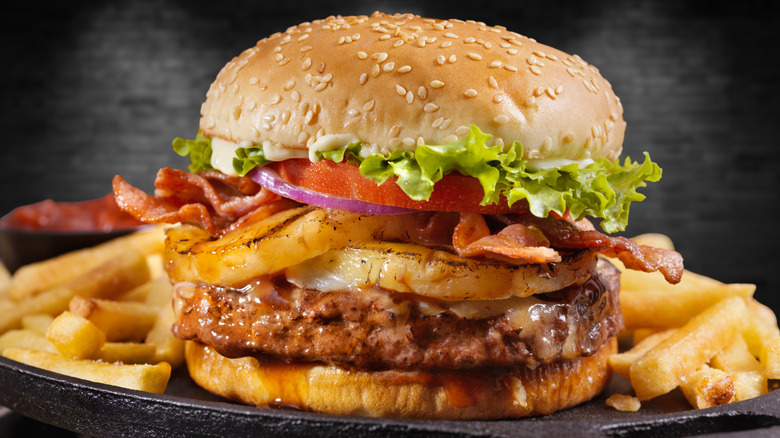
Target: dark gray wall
x,y
101,88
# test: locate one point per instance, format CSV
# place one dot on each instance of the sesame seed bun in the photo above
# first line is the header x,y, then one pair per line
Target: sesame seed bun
x,y
397,80
521,393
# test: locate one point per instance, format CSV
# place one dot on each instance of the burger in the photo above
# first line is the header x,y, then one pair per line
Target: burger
x,y
390,216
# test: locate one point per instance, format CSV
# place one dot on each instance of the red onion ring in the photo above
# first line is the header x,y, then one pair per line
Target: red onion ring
x,y
271,180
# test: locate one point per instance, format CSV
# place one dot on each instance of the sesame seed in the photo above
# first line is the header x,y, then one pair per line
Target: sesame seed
x,y
422,92
571,71
469,40
474,56
441,59
380,57
276,99
430,107
368,106
421,42
488,45
363,78
398,43
306,64
437,83
307,119
535,70
505,45
305,48
395,142
436,123
405,69
445,125
362,55
510,68
285,117
531,60
278,57
253,81
451,35
501,119
285,61
496,64
356,37
303,107
353,112
385,37
498,98
321,86
267,126
395,130
420,141
445,44
375,70
531,101
549,91
492,82
400,90
515,42
327,78
277,49
389,66
302,137
269,117
237,112
470,92
462,130
450,139
408,141
438,26
342,39
289,85
409,97
559,90
452,59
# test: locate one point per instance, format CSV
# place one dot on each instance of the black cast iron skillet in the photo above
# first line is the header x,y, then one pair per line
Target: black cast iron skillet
x,y
186,410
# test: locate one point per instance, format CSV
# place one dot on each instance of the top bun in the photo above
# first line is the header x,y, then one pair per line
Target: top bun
x,y
396,81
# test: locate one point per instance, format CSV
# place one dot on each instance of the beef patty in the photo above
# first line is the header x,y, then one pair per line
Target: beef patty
x,y
377,329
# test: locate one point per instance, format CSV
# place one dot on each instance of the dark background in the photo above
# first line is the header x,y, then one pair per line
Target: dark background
x,y
100,88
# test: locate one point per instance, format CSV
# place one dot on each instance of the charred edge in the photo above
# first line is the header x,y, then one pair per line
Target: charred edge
x,y
279,227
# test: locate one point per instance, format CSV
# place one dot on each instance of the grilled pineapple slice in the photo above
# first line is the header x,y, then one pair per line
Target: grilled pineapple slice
x,y
435,273
265,247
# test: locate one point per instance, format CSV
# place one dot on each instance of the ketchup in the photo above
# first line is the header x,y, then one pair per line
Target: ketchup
x,y
100,214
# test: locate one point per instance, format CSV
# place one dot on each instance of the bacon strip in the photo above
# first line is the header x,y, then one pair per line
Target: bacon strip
x,y
472,238
565,235
210,200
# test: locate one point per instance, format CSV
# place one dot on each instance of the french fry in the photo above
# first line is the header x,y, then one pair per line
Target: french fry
x,y
708,387
35,278
25,338
120,321
107,280
75,336
160,293
747,372
621,363
38,322
663,368
624,403
762,337
5,281
662,309
149,378
655,240
168,347
126,352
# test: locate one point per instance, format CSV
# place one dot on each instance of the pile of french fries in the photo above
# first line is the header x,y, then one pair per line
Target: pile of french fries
x,y
712,340
101,314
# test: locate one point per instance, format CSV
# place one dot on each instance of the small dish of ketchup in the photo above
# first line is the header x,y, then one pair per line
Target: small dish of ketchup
x,y
46,229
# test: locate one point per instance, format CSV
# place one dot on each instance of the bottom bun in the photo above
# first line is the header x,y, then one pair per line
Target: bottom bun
x,y
402,394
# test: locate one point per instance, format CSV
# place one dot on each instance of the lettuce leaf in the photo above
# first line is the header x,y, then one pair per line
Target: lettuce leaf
x,y
199,151
602,189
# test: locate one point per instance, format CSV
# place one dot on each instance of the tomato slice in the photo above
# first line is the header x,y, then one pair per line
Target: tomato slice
x,y
454,192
